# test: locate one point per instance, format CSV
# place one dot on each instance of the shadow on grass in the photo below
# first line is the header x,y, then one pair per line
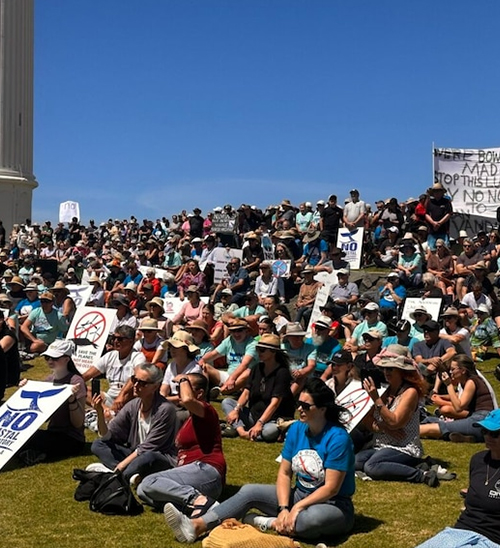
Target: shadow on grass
x,y
362,524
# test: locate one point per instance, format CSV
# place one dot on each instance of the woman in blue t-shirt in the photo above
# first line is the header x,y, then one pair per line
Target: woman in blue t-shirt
x,y
318,451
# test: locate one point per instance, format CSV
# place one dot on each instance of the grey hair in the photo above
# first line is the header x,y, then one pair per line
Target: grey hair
x,y
126,331
154,372
429,278
468,241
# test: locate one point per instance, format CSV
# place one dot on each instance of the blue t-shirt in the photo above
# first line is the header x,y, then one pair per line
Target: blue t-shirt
x,y
387,300
312,253
299,356
136,279
310,456
324,352
234,352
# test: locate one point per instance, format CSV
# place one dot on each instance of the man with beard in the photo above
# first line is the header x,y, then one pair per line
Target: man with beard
x,y
325,344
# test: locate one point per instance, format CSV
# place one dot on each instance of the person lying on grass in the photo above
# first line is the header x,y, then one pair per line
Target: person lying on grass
x,y
319,452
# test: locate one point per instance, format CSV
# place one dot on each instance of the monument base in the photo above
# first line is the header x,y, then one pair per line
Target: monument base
x,y
16,193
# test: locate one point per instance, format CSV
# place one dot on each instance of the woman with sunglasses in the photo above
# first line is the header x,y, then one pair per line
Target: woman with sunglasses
x,y
477,525
64,436
266,397
397,449
318,451
140,440
470,403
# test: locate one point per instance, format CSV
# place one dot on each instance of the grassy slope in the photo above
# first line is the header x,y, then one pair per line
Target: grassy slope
x,y
37,508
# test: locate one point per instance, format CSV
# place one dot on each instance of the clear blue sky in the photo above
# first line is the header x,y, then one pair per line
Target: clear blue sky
x,y
148,107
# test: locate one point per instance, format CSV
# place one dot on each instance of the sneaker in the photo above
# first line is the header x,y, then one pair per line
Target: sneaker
x,y
214,393
228,431
261,522
457,437
30,457
430,478
134,480
98,467
442,473
180,524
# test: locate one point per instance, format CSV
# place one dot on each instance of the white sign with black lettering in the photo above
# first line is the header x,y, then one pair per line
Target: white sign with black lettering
x,y
351,243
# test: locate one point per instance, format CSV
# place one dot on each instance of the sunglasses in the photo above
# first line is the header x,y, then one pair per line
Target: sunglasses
x,y
489,433
119,338
240,330
45,301
139,382
304,405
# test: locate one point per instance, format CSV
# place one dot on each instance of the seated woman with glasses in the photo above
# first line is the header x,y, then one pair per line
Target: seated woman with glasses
x,y
141,438
64,436
477,525
266,397
318,505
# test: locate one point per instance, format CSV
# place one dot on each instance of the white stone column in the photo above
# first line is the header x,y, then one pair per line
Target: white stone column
x,y
16,110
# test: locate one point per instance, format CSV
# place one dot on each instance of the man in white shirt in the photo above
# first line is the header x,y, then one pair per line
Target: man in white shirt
x,y
354,211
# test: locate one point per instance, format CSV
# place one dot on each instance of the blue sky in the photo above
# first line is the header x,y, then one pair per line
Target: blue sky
x,y
148,107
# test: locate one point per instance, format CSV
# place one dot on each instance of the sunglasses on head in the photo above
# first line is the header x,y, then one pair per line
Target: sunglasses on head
x,y
490,433
139,382
304,405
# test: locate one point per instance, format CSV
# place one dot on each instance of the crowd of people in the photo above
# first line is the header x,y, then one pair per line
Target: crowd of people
x,y
249,338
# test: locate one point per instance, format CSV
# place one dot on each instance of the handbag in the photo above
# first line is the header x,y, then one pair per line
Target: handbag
x,y
114,497
233,534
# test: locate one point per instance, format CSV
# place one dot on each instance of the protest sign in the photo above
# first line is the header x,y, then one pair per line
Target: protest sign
x,y
432,305
351,243
25,411
281,269
79,293
68,210
159,272
471,178
89,331
222,223
328,280
221,256
356,401
172,305
267,247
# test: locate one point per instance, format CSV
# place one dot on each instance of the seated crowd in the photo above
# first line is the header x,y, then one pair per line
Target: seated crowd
x,y
250,338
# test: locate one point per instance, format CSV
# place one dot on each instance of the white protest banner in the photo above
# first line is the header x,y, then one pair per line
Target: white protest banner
x,y
25,411
356,401
351,243
328,279
172,305
471,177
281,269
221,256
268,247
68,210
79,293
432,305
89,331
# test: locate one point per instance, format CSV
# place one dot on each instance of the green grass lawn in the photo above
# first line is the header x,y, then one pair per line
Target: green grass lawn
x,y
37,508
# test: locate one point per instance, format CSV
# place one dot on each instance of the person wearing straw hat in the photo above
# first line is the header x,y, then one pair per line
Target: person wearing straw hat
x,y
397,449
64,436
191,310
201,335
97,297
16,290
156,310
43,325
301,355
477,525
150,340
315,249
265,398
63,301
28,304
419,316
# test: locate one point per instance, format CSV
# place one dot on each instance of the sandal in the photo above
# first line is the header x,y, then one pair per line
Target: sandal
x,y
199,510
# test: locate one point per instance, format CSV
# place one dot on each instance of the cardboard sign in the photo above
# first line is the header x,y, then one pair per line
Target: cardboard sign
x,y
222,223
79,293
25,411
351,243
432,305
89,331
328,280
357,402
221,256
68,210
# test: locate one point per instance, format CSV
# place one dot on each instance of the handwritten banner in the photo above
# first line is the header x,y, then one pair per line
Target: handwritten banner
x,y
471,177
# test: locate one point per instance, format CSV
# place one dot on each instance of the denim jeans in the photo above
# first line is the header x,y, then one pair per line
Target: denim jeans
x,y
458,538
334,517
111,453
270,432
389,464
181,485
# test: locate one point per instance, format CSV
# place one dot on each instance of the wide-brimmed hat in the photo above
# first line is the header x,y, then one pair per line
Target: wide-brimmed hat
x,y
94,279
158,301
149,324
8,273
192,289
183,338
450,312
437,186
420,310
199,324
343,272
491,422
238,323
47,296
483,308
17,280
59,286
227,291
308,269
393,360
131,286
371,306
311,235
323,321
31,287
59,348
119,298
5,297
294,329
268,340
373,334
252,236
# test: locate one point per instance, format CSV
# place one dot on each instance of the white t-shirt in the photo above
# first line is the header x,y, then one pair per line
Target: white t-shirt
x,y
352,210
171,372
117,371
